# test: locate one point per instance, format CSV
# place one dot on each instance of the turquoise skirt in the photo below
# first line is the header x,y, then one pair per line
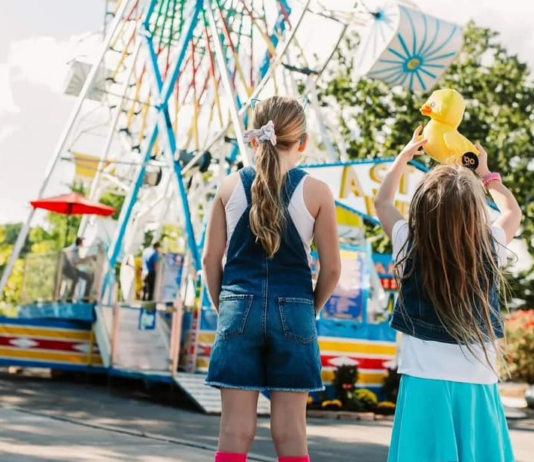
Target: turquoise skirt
x,y
442,421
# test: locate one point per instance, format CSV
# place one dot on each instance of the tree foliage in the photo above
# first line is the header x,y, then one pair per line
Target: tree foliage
x,y
377,121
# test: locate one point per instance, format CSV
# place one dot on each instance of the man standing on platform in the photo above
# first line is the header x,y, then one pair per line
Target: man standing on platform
x,y
71,270
150,266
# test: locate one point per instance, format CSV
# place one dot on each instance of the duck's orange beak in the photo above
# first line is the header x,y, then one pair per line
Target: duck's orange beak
x,y
426,109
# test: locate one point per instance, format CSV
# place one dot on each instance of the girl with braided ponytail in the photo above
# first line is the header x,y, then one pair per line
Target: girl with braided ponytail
x,y
263,221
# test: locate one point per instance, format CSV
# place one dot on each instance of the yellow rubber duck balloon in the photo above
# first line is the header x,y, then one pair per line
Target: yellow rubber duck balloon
x,y
445,144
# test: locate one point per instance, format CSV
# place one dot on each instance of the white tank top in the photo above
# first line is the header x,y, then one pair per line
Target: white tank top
x,y
299,213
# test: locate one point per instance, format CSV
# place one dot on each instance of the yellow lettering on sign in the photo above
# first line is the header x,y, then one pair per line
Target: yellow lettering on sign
x,y
378,172
404,208
370,205
350,184
405,179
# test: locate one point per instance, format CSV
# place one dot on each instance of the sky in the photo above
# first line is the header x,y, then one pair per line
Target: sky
x,y
38,38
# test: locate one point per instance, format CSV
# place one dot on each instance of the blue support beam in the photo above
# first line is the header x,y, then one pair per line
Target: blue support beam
x,y
280,28
164,92
149,11
126,213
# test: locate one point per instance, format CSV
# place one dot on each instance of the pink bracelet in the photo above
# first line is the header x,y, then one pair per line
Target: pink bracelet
x,y
491,177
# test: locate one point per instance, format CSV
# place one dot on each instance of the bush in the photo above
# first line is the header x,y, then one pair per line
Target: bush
x,y
362,400
390,389
331,405
386,408
520,351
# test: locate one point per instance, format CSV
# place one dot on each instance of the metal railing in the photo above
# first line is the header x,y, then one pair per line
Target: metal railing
x,y
144,336
52,277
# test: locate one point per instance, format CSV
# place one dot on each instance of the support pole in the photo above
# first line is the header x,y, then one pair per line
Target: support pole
x,y
163,90
277,61
112,132
228,87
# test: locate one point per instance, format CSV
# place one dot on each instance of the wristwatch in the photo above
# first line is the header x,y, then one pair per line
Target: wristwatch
x,y
491,177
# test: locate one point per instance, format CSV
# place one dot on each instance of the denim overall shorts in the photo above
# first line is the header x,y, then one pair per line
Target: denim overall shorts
x,y
266,331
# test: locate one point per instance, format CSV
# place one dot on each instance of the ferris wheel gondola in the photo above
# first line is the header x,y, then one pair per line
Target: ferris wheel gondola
x,y
401,45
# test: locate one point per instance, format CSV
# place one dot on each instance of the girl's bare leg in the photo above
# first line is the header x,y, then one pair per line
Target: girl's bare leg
x,y
288,423
238,421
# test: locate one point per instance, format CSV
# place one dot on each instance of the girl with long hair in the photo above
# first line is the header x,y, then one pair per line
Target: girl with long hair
x,y
263,221
448,259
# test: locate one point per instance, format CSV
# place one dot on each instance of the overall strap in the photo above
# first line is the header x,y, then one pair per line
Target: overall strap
x,y
247,175
293,179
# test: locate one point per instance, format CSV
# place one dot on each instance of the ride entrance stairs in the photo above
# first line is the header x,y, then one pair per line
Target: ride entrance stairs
x,y
144,353
207,398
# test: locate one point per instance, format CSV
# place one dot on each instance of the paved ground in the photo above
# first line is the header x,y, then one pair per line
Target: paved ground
x,y
31,438
44,420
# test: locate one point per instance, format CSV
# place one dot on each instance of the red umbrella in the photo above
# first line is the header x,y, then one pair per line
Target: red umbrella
x,y
73,204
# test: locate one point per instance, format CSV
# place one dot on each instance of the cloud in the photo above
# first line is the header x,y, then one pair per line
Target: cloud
x,y
40,60
7,103
6,131
44,60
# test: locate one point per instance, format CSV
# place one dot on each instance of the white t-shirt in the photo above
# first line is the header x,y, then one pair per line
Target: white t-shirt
x,y
444,361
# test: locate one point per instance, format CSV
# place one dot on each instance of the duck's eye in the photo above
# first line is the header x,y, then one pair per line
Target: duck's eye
x,y
432,104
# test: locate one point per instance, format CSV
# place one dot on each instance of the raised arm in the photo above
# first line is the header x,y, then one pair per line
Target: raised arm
x,y
511,214
385,199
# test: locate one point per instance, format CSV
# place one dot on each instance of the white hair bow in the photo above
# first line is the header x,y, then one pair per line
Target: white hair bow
x,y
265,133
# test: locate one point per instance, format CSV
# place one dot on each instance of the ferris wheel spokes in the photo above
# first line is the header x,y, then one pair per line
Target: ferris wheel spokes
x,y
162,90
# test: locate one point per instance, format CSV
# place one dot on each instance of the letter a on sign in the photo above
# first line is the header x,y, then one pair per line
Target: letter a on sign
x,y
350,184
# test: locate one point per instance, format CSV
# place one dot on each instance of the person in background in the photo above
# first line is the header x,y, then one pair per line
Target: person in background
x,y
71,269
150,266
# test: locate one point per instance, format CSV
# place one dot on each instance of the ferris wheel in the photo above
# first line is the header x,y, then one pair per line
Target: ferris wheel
x,y
162,108
193,68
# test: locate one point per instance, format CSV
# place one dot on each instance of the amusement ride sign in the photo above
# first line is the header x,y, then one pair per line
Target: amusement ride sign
x,y
355,184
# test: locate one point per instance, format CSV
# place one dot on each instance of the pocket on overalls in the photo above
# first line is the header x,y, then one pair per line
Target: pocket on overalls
x,y
298,319
233,313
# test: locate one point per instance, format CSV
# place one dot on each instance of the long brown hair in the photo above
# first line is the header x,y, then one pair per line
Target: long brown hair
x,y
450,240
268,214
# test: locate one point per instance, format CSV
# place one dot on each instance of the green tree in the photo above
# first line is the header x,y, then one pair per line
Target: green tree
x,y
115,201
8,236
377,121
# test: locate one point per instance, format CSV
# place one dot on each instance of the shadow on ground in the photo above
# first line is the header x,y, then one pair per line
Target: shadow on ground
x,y
162,410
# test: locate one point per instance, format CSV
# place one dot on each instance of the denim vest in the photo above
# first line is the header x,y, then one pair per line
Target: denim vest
x,y
248,270
417,317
